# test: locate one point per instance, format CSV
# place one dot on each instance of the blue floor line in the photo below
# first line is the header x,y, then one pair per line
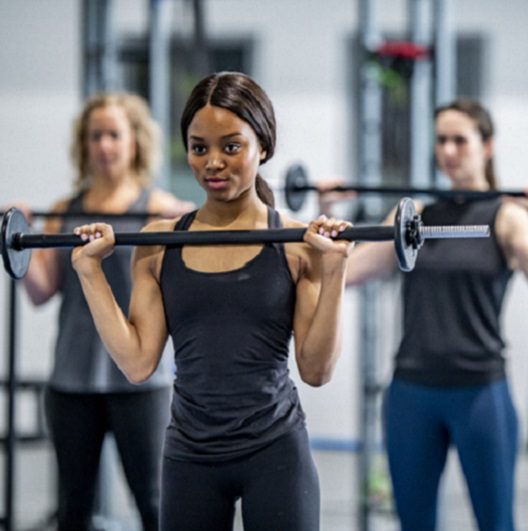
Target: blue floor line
x,y
329,444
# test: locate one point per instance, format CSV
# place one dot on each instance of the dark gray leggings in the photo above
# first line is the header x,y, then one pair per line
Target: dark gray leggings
x,y
78,424
278,487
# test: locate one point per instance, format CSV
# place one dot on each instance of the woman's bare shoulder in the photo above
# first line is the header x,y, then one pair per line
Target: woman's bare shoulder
x,y
160,225
291,223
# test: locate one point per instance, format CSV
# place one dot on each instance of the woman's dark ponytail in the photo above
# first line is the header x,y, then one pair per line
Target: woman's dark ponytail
x,y
264,191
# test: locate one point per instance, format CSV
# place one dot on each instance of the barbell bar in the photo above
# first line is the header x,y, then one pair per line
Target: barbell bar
x,y
408,233
297,186
140,215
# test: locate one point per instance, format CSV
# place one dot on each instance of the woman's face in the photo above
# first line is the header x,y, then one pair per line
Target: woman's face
x,y
460,151
224,153
110,142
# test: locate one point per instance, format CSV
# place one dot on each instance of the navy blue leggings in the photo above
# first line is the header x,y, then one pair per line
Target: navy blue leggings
x,y
78,424
278,485
421,422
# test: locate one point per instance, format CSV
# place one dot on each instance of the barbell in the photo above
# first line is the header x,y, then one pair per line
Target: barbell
x,y
297,186
408,233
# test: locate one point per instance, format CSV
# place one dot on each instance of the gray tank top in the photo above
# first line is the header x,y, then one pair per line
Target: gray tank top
x,y
81,363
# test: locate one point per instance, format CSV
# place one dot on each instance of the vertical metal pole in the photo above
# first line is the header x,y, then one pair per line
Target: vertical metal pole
x,y
421,97
370,163
445,62
10,436
100,73
444,91
159,78
445,52
199,51
99,49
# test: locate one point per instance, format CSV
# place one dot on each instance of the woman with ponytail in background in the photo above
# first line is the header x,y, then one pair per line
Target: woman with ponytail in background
x,y
449,387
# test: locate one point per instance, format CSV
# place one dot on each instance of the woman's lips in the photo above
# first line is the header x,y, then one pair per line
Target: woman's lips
x,y
216,183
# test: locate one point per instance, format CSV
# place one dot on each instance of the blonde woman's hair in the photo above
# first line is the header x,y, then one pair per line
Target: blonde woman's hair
x,y
146,133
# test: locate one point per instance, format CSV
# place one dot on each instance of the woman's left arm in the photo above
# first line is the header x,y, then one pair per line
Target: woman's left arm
x,y
511,227
320,290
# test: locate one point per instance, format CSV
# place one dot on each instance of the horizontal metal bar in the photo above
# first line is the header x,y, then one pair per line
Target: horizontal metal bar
x,y
406,191
92,215
26,438
22,241
242,237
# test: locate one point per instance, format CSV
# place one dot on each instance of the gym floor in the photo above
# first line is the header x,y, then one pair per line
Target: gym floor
x,y
339,490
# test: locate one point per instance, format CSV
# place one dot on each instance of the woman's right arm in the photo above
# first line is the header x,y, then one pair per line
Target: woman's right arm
x,y
44,273
372,260
135,342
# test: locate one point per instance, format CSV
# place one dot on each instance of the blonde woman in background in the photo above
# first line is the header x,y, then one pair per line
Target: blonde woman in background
x,y
115,150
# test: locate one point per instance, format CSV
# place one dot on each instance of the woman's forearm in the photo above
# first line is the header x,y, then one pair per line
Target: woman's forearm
x,y
322,343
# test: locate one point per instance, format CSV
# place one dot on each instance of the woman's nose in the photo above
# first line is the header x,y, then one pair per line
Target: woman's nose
x,y
105,142
214,162
452,147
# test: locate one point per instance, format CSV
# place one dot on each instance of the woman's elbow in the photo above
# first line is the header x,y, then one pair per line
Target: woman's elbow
x,y
139,373
316,378
40,294
39,300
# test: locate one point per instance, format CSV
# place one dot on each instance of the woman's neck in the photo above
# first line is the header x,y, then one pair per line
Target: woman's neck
x,y
232,214
473,183
111,196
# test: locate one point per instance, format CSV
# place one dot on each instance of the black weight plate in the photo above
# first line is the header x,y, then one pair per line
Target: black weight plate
x,y
296,177
16,262
405,251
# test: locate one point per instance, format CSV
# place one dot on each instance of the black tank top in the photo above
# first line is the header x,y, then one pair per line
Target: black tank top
x,y
231,333
452,303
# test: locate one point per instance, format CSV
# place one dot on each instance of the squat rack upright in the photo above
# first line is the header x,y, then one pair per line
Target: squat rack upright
x,y
431,83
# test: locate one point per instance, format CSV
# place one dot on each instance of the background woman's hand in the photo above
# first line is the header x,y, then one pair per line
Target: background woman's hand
x,y
327,196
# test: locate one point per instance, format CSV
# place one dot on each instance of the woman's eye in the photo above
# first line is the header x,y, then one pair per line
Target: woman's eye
x,y
458,140
198,149
97,136
232,148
